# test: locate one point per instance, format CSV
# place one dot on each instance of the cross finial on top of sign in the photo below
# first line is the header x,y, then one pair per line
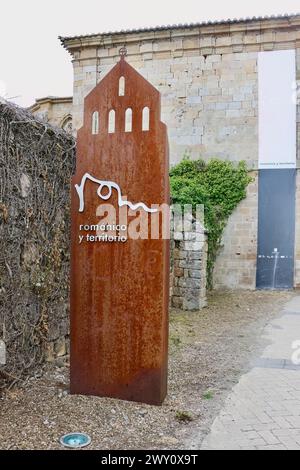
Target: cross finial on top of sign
x,y
123,52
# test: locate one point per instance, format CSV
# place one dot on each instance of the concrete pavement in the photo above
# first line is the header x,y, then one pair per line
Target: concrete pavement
x,y
263,410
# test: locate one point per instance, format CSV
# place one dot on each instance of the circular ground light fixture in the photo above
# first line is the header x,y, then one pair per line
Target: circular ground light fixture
x,y
75,440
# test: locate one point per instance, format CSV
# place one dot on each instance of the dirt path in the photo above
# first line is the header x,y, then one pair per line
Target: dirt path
x,y
209,350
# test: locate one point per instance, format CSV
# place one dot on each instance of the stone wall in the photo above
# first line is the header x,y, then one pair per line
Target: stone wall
x,y
211,109
188,269
56,111
208,103
235,266
207,76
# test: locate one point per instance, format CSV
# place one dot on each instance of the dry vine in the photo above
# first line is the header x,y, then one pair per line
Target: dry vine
x,y
36,163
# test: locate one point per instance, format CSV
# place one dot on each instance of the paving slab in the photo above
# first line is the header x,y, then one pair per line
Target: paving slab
x,y
263,410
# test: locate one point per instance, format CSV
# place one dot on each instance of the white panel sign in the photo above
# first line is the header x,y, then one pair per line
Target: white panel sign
x,y
277,109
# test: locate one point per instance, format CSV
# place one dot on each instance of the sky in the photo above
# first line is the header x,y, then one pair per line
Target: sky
x,y
33,64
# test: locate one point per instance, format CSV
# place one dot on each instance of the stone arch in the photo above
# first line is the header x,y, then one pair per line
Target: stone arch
x,y
67,124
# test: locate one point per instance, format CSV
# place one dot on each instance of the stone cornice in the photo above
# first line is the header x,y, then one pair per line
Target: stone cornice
x,y
50,100
226,28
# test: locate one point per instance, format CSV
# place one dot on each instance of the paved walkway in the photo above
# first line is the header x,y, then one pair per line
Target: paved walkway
x,y
263,410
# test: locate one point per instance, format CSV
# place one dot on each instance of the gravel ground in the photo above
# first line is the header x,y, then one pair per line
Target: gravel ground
x,y
209,350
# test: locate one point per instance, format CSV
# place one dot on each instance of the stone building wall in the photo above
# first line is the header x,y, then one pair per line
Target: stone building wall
x,y
208,79
56,111
235,266
209,103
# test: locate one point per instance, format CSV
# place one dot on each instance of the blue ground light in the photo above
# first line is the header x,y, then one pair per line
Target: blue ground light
x,y
75,440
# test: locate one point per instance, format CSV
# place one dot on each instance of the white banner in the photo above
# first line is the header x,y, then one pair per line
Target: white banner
x,y
277,109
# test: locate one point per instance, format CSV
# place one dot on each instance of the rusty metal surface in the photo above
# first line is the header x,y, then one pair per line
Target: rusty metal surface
x,y
120,291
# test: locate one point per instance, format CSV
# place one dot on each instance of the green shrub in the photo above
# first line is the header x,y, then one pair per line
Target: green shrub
x,y
218,185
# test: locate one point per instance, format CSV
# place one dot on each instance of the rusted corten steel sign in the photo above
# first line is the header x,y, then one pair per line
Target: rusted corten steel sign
x,y
120,279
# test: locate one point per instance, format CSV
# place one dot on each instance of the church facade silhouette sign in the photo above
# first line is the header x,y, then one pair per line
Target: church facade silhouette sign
x,y
119,276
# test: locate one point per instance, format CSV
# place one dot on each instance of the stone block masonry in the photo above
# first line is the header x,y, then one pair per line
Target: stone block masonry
x,y
55,110
235,266
209,103
188,270
208,78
